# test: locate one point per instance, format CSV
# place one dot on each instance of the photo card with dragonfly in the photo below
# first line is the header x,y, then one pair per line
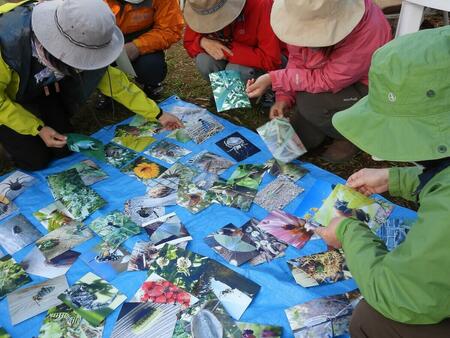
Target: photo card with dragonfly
x,y
30,301
233,244
237,146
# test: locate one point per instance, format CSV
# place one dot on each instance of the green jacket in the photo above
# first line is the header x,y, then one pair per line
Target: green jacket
x,y
410,284
114,83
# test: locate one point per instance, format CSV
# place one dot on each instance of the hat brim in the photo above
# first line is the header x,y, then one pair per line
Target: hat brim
x,y
46,31
213,22
393,138
316,32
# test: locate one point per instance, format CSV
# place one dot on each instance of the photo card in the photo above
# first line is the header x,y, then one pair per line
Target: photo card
x,y
167,152
191,197
176,174
210,162
14,185
238,147
118,156
16,233
160,195
167,229
12,276
278,194
86,145
229,90
6,207
89,172
254,330
53,216
231,195
142,256
291,170
144,170
136,138
247,175
141,210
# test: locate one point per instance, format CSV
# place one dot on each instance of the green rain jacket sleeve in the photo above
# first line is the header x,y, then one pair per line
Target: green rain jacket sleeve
x,y
410,284
403,182
115,84
12,114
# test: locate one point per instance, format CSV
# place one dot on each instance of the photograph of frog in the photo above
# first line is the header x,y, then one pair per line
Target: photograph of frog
x,y
30,301
238,147
92,298
229,90
86,145
16,233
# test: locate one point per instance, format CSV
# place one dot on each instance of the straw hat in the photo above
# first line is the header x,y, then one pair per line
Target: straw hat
x,y
315,23
81,33
406,116
208,16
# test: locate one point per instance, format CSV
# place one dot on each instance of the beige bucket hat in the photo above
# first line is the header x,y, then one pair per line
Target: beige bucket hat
x,y
315,23
209,16
81,33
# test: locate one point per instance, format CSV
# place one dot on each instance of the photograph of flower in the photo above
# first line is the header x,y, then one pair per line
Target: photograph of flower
x,y
167,152
118,156
62,239
106,262
231,195
323,317
89,172
14,185
161,195
175,174
16,233
143,169
6,207
53,216
12,275
233,244
253,330
92,298
294,171
237,146
63,321
30,301
229,90
115,228
181,267
287,228
192,197
322,268
141,210
210,162
247,175
80,200
267,245
86,145
344,201
146,320
136,138
36,264
234,291
278,194
167,229
142,256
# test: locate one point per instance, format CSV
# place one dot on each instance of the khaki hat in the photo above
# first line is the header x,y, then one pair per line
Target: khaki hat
x,y
81,33
315,23
209,16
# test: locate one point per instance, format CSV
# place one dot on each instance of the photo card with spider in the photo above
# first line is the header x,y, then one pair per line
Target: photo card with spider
x,y
30,301
237,146
278,194
144,170
16,233
210,162
12,275
233,244
141,210
229,90
14,185
321,268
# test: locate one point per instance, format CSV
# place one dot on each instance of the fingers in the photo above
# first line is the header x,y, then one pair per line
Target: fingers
x,y
357,179
227,50
249,83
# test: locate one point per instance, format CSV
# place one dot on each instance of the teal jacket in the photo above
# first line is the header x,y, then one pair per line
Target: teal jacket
x,y
410,284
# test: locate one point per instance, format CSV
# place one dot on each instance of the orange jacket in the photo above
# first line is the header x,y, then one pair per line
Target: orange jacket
x,y
160,20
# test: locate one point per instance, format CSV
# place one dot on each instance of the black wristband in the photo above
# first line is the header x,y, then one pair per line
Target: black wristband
x,y
159,114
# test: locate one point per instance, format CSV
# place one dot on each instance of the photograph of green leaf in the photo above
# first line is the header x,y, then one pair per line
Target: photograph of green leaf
x,y
53,216
12,275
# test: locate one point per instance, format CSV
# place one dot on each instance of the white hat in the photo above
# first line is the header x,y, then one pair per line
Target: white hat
x,y
81,33
315,23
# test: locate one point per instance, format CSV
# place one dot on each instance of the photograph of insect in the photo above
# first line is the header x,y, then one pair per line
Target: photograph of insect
x,y
15,184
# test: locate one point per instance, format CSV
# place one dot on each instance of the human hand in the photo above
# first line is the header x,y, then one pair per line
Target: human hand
x,y
328,233
370,181
52,138
132,51
279,109
170,122
256,88
215,48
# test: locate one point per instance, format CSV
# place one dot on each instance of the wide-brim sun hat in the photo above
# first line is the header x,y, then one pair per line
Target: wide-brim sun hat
x,y
315,23
209,16
406,115
81,33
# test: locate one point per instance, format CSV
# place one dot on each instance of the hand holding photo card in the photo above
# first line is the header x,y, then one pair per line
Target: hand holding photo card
x,y
16,233
140,213
92,298
53,216
33,300
293,171
344,201
278,194
167,229
14,185
229,90
86,145
89,172
322,268
63,321
118,156
237,146
247,175
210,162
287,228
136,138
142,256
12,276
167,152
144,170
233,244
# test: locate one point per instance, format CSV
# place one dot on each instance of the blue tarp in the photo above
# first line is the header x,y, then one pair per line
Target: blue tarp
x,y
278,288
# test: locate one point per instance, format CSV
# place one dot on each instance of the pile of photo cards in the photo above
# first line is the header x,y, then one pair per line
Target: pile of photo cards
x,y
229,90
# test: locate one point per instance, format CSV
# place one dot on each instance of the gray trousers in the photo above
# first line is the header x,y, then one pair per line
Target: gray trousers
x,y
312,114
206,65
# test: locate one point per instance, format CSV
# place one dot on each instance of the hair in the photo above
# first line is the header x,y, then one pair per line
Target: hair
x,y
59,65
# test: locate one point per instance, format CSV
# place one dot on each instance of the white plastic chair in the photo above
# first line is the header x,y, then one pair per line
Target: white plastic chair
x,y
412,12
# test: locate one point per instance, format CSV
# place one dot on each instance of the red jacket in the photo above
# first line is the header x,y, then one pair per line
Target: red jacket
x,y
254,44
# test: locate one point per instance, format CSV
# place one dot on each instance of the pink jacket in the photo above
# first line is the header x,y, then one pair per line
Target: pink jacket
x,y
311,71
